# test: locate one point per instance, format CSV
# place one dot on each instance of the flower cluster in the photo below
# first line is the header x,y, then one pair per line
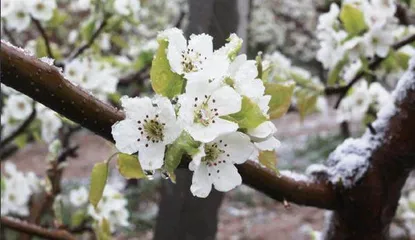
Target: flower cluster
x,y
98,78
16,190
219,103
112,207
17,14
405,214
357,31
18,108
121,7
362,98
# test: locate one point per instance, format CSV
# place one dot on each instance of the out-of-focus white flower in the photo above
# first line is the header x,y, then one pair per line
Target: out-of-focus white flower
x,y
355,106
19,18
78,197
380,97
351,71
377,41
42,9
127,7
329,20
18,106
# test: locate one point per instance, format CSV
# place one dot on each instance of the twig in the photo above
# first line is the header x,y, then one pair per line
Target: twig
x,y
87,45
44,36
180,19
140,76
342,90
21,129
33,229
69,152
9,35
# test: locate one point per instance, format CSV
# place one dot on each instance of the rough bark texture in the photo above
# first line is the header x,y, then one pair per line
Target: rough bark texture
x,y
366,210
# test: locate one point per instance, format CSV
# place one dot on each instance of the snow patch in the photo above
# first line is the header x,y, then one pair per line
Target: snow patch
x,y
407,82
25,51
47,60
296,176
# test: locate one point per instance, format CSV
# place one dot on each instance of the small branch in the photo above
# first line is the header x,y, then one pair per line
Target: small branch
x,y
139,76
33,229
342,90
44,36
180,19
9,36
69,152
87,45
21,129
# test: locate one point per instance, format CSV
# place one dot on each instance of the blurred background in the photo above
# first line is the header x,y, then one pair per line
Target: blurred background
x,y
158,208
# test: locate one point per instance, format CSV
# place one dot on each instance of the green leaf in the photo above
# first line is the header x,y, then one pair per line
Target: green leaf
x,y
40,47
281,94
88,29
78,218
353,19
183,144
58,18
250,115
306,102
21,140
119,41
103,230
335,72
269,160
3,183
163,80
129,166
258,60
98,180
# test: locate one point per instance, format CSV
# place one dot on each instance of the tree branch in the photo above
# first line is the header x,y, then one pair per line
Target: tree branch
x,y
342,90
60,95
20,129
44,36
87,45
33,229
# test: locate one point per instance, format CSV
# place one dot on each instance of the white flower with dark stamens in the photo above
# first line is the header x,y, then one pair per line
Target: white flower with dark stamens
x,y
150,125
216,166
42,9
200,112
187,57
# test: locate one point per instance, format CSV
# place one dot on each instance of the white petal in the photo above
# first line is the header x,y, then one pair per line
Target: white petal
x,y
253,88
174,56
175,38
201,182
201,43
126,134
269,144
226,100
167,115
225,177
247,71
137,108
216,66
201,86
197,158
382,50
263,131
236,64
238,147
151,157
209,133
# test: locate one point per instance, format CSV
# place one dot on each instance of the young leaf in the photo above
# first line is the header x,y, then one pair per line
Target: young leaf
x,y
103,230
268,159
77,218
250,115
98,180
129,166
183,144
335,72
281,94
306,102
352,19
163,80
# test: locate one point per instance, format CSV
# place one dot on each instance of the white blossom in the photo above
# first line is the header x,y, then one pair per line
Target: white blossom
x,y
200,111
126,7
18,106
78,197
42,9
216,166
149,126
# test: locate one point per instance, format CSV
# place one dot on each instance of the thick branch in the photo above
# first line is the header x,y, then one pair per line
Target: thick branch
x,y
32,229
51,89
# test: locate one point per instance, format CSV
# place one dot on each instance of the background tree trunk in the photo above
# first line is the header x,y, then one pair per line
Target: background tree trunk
x,y
181,215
